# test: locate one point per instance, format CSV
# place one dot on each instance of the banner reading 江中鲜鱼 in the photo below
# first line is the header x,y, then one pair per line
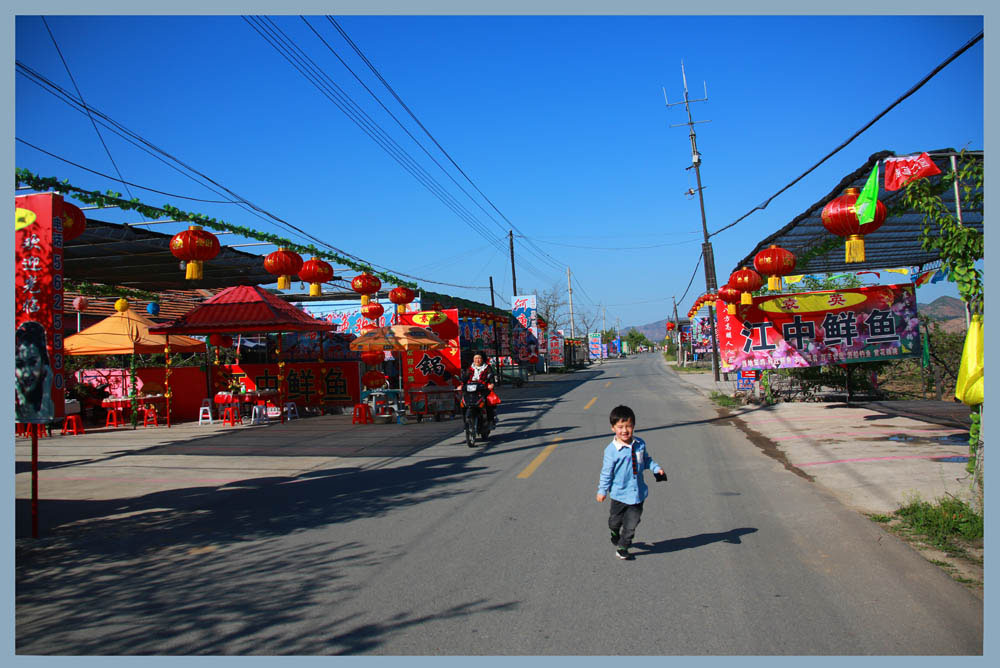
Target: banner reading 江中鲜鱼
x,y
818,328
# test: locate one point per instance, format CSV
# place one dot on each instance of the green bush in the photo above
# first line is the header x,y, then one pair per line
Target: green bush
x,y
949,518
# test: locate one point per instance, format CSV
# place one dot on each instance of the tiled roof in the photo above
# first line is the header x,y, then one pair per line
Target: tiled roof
x,y
243,309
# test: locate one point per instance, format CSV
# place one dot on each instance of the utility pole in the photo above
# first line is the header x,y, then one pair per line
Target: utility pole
x,y
513,275
496,340
706,247
572,323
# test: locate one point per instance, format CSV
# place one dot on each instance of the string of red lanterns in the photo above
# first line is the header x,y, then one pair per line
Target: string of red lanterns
x,y
747,281
774,262
315,272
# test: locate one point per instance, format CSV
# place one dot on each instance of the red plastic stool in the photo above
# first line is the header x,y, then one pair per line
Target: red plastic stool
x,y
231,416
116,418
73,425
149,417
362,414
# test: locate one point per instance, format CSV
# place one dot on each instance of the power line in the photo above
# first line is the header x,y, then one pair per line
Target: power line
x,y
870,123
604,248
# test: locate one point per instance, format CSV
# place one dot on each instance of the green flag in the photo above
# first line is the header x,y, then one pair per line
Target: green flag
x,y
864,208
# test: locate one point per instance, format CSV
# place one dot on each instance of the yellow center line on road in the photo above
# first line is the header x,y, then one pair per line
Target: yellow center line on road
x,y
607,384
590,403
537,461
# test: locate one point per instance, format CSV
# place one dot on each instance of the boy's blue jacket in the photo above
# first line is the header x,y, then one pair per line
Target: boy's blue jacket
x,y
617,479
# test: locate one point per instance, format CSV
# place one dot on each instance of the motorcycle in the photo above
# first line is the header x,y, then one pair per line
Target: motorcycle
x,y
474,414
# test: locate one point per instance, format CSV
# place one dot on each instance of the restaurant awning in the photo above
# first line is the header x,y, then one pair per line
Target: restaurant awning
x,y
244,309
125,333
895,244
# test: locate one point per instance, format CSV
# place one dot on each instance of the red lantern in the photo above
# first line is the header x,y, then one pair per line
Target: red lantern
x,y
746,280
671,326
315,272
731,296
840,218
194,245
372,311
366,285
73,221
81,303
774,262
284,264
372,357
401,296
373,379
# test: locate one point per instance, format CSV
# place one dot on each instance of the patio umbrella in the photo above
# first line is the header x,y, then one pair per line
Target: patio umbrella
x,y
398,337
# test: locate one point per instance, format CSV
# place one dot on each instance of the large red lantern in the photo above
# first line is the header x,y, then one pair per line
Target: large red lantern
x,y
401,296
220,340
731,296
315,272
284,264
373,379
366,285
194,245
774,262
372,310
372,357
746,280
671,326
73,221
840,218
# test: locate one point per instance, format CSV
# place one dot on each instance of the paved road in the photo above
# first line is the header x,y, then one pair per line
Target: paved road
x,y
501,551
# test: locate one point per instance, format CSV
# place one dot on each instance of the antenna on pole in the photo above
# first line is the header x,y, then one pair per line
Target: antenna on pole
x,y
706,247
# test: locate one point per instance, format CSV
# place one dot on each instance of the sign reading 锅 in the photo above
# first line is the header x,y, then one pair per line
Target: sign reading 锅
x,y
39,377
820,328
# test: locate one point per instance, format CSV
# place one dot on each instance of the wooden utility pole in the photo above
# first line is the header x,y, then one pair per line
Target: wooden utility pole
x,y
496,340
513,274
706,247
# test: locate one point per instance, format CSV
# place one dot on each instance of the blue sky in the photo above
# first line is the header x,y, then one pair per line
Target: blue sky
x,y
559,120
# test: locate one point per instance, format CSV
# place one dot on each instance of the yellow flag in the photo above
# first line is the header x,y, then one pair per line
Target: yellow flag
x,y
969,388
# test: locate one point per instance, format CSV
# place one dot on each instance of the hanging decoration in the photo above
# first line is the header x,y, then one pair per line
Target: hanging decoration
x,y
372,357
401,296
373,379
372,310
284,264
194,246
731,296
74,222
840,218
113,199
774,262
221,340
82,303
746,280
315,272
153,309
121,305
671,326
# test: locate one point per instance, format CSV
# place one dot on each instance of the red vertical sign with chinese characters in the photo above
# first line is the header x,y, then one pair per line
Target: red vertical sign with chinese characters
x,y
38,308
423,368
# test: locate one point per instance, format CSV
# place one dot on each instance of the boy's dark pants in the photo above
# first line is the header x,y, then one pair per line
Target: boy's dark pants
x,y
624,519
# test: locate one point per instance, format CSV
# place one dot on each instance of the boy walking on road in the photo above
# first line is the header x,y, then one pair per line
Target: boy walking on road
x,y
625,459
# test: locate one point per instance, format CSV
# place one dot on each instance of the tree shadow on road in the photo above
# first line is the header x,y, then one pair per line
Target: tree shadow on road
x,y
699,540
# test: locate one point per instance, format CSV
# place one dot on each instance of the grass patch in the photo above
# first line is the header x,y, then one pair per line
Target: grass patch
x,y
945,524
724,400
876,517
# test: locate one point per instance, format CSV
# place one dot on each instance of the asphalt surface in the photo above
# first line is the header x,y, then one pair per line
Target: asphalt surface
x,y
321,537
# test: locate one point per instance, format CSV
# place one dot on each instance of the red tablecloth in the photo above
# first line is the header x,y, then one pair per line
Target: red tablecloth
x,y
244,397
126,402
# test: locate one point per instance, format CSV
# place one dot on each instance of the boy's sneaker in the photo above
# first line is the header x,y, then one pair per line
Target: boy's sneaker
x,y
614,538
622,553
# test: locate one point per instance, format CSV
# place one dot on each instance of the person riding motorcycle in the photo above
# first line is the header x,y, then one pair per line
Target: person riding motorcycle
x,y
482,375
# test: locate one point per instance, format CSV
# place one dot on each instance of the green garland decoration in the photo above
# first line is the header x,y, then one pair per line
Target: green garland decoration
x,y
100,290
112,198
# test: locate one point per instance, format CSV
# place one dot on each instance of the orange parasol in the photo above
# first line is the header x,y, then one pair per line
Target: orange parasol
x,y
398,337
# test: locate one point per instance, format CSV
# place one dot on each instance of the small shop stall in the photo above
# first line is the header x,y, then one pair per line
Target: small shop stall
x,y
127,332
243,310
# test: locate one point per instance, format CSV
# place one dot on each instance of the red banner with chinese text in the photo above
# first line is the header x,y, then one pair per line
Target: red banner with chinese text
x,y
820,328
307,383
38,308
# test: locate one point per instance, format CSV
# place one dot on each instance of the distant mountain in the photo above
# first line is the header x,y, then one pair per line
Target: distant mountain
x,y
948,310
943,308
